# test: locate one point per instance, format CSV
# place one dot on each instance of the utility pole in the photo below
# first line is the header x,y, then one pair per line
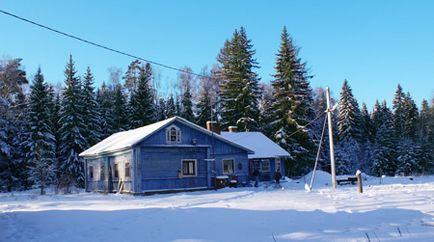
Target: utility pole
x,y
332,149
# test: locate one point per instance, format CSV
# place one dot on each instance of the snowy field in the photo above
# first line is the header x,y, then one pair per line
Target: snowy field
x,y
398,209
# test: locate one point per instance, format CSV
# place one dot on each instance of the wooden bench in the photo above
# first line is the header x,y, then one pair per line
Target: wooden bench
x,y
350,180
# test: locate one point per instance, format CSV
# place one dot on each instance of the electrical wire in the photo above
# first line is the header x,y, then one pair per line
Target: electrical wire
x,y
100,45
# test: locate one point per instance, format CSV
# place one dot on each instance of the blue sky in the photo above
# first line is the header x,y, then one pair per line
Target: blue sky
x,y
373,44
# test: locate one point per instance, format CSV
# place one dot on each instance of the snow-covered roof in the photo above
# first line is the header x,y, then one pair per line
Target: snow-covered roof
x,y
126,139
258,142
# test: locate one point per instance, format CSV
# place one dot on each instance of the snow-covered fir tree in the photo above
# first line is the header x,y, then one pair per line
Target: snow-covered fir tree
x,y
13,127
204,105
349,123
410,114
187,105
170,107
72,131
42,145
398,111
141,104
347,157
91,115
119,110
266,116
407,159
384,155
104,98
292,107
161,109
239,90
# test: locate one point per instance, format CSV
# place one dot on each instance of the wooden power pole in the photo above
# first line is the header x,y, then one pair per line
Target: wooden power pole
x,y
332,149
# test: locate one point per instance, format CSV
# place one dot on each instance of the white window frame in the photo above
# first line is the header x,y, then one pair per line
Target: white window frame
x,y
261,167
195,168
102,175
277,164
169,134
129,170
233,166
91,172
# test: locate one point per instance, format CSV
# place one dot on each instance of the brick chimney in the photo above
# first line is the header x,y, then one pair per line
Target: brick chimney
x,y
213,126
233,129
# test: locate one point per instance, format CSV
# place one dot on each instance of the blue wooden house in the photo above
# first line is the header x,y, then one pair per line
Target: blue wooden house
x,y
268,156
170,155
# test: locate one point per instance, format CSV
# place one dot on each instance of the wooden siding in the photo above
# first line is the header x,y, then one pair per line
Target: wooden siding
x,y
110,182
160,167
194,139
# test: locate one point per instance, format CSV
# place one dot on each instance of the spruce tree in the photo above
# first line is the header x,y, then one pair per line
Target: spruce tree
x,y
292,107
105,103
410,114
398,112
239,91
204,107
170,107
72,130
92,132
349,123
187,106
119,110
407,160
141,104
42,145
161,109
384,155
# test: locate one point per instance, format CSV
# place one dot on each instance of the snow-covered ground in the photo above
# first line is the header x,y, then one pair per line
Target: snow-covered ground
x,y
398,209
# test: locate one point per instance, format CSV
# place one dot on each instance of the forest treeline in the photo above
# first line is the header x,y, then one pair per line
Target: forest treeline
x,y
44,127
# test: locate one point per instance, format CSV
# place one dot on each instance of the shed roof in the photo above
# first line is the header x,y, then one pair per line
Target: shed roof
x,y
126,139
258,142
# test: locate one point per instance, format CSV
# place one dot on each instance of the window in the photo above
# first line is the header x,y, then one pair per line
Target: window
x,y
228,166
265,165
277,164
127,170
173,135
117,171
91,172
188,167
102,173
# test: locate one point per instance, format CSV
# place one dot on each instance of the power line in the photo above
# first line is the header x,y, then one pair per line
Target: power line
x,y
100,45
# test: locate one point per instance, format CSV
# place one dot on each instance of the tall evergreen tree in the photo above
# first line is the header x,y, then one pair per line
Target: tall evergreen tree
x,y
398,112
187,106
72,130
170,107
105,104
42,145
142,106
410,114
12,125
91,115
161,109
349,115
384,156
292,106
119,110
239,91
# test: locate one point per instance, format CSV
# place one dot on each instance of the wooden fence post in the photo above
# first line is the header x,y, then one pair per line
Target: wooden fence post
x,y
359,181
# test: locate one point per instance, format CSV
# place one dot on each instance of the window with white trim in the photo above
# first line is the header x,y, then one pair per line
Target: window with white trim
x,y
91,172
265,165
228,166
102,173
116,171
277,168
173,135
127,170
189,167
